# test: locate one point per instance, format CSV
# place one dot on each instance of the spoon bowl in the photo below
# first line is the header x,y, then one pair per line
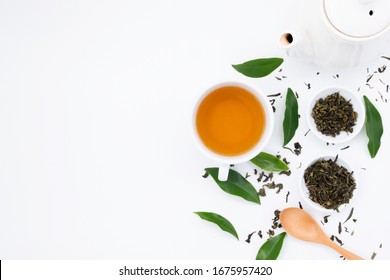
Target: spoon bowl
x,y
298,223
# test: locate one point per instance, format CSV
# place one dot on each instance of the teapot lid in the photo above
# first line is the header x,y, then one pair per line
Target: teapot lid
x,y
358,18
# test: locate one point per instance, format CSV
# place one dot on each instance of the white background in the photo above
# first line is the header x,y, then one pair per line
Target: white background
x,y
96,155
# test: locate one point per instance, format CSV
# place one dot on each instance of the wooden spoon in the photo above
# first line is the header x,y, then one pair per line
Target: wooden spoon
x,y
301,225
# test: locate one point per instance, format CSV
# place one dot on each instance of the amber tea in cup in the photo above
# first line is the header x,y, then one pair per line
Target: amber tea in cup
x,y
232,123
230,120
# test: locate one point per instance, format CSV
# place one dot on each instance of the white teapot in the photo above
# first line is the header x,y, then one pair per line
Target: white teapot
x,y
339,33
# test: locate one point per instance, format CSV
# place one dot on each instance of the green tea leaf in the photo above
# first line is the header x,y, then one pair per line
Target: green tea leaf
x,y
374,127
269,162
220,221
235,185
258,68
271,248
290,122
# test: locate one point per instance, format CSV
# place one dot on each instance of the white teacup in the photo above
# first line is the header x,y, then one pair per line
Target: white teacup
x,y
225,161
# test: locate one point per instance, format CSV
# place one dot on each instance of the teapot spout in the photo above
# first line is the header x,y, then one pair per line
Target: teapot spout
x,y
297,44
287,40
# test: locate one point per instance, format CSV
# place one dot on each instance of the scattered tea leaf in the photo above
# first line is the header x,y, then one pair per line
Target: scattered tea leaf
x,y
271,248
339,241
287,195
288,172
269,162
274,95
266,178
270,233
248,240
271,185
258,68
326,218
279,187
382,69
297,148
349,216
261,192
290,122
374,127
236,184
220,221
261,175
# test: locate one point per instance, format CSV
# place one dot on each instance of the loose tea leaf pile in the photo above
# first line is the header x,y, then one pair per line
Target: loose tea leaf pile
x,y
334,114
329,184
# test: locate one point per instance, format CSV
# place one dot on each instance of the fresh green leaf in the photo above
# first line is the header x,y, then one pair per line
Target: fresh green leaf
x,y
290,122
269,162
220,221
374,127
235,185
271,248
258,68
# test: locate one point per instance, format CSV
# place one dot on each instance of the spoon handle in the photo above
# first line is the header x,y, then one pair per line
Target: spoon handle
x,y
347,254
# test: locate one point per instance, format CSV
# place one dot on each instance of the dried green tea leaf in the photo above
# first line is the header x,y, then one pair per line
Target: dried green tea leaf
x,y
269,162
220,221
271,248
349,216
236,184
290,122
334,114
258,68
374,127
329,184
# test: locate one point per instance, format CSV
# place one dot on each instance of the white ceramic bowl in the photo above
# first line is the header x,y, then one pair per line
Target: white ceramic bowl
x,y
358,107
305,191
